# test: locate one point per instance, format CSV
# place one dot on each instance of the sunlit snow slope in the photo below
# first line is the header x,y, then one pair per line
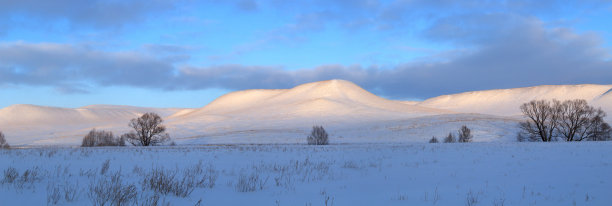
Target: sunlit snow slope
x,y
507,101
333,98
31,124
348,112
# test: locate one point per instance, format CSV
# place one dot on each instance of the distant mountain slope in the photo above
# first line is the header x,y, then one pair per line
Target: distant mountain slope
x,y
350,113
28,124
333,98
32,114
507,101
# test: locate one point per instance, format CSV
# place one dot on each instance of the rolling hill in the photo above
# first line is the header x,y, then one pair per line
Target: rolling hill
x,y
506,102
348,112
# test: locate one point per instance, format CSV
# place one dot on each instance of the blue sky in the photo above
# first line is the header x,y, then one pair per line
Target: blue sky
x,y
73,53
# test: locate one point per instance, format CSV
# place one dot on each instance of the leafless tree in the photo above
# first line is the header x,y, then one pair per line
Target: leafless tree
x,y
579,121
148,131
100,138
522,137
3,143
450,138
601,130
318,136
542,119
570,120
464,134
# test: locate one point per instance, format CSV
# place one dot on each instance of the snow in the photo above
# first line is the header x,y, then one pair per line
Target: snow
x,y
378,156
326,98
348,112
41,125
348,174
506,102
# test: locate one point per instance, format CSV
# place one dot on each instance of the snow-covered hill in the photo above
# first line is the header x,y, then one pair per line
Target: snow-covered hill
x,y
348,112
332,98
31,124
506,102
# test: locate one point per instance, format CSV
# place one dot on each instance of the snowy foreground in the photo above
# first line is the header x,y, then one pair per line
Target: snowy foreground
x,y
350,174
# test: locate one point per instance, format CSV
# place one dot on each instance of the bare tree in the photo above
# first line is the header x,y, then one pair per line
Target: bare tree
x,y
433,140
579,121
148,131
3,143
318,136
542,119
570,120
464,134
100,138
450,138
522,137
601,130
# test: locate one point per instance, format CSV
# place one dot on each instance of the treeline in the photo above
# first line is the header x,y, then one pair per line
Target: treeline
x,y
464,134
148,131
570,120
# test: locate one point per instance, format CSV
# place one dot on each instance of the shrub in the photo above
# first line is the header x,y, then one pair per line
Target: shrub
x,y
450,138
165,182
100,138
433,140
112,191
318,136
54,192
522,137
10,175
464,134
3,143
250,183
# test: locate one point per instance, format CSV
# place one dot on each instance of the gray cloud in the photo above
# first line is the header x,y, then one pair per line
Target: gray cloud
x,y
62,65
404,15
500,51
504,51
247,5
92,13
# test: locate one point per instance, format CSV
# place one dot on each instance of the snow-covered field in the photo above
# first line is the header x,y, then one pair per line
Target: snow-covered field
x,y
492,173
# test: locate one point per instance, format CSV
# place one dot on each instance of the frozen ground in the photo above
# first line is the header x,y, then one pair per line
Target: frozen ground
x,y
348,174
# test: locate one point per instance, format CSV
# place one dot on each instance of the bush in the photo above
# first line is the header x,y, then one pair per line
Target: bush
x,y
10,175
433,140
100,138
250,183
464,134
165,182
450,138
3,143
112,191
318,136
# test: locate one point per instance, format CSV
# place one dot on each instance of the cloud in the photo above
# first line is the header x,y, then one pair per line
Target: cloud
x,y
247,5
495,50
92,14
62,65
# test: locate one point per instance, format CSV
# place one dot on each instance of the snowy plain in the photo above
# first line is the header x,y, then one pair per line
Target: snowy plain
x,y
345,174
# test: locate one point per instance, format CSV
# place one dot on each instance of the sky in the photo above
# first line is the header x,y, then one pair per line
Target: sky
x,y
158,53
